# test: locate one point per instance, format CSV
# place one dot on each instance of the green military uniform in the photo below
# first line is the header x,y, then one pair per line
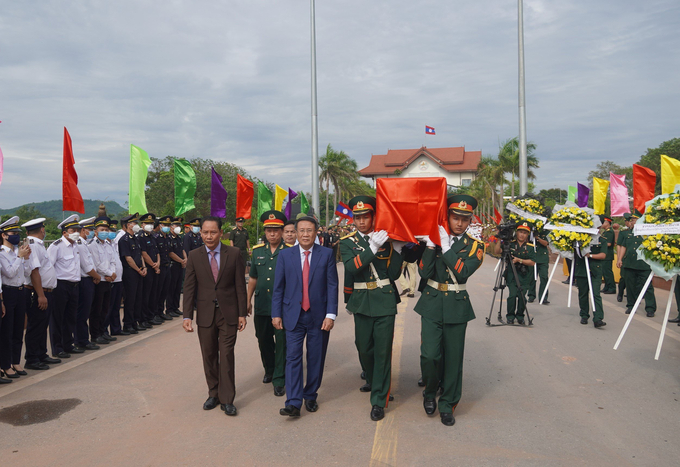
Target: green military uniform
x,y
621,241
240,239
542,264
581,275
607,272
637,272
525,274
372,298
272,342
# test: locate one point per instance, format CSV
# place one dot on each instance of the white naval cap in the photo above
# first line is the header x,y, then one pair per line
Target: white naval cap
x,y
10,224
34,224
70,221
87,223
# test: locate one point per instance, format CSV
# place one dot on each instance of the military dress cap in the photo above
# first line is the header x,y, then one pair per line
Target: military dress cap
x,y
11,224
273,218
87,223
105,221
242,219
130,218
165,220
463,205
524,226
34,224
70,221
113,223
604,219
362,204
148,218
195,222
636,214
177,220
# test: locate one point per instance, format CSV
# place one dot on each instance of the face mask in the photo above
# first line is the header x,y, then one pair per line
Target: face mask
x,y
74,236
195,229
148,228
14,239
102,235
136,228
165,229
112,235
177,230
90,234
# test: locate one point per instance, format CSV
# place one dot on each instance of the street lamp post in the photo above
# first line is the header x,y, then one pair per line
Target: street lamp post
x,y
315,129
523,169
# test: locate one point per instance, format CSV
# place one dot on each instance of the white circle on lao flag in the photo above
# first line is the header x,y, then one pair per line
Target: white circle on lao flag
x,y
344,211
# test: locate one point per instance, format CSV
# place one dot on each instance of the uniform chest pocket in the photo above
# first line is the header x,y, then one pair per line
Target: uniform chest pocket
x,y
68,257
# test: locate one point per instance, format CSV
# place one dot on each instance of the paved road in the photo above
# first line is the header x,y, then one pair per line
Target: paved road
x,y
552,394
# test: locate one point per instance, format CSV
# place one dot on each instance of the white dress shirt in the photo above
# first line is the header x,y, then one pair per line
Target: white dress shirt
x,y
115,257
40,259
302,264
11,267
102,257
86,261
65,258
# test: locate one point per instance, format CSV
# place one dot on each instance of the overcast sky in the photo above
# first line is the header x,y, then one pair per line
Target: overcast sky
x,y
230,80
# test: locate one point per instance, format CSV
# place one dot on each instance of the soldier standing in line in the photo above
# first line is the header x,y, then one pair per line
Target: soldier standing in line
x,y
637,271
134,271
607,273
542,264
89,279
192,237
178,258
152,260
597,256
105,266
164,244
238,238
113,316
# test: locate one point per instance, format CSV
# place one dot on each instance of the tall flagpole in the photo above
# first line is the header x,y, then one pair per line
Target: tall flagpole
x,y
523,181
315,129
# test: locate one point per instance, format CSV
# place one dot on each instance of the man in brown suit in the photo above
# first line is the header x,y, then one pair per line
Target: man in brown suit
x,y
215,284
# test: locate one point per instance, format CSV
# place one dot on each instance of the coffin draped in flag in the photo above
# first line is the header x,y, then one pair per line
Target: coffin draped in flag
x,y
406,207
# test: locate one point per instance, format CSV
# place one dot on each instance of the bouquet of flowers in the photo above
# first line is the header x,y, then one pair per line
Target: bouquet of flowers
x,y
661,250
526,206
580,225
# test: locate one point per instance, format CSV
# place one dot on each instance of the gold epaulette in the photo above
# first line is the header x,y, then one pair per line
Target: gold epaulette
x,y
530,244
289,245
259,245
349,235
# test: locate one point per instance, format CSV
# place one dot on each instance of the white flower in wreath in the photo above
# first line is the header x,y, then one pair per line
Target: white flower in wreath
x,y
659,244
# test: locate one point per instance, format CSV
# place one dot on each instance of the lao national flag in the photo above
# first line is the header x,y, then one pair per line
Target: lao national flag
x,y
429,130
344,211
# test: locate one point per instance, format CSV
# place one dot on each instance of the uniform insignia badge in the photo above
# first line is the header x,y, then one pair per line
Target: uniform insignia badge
x,y
462,205
360,205
272,217
480,254
465,241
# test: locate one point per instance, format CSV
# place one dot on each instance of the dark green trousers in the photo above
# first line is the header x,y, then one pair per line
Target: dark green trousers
x,y
584,296
543,277
441,358
631,296
373,338
608,276
677,294
638,277
516,305
272,343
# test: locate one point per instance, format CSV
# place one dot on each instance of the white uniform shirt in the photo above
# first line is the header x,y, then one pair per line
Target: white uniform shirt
x,y
40,259
86,261
11,267
101,257
65,257
115,257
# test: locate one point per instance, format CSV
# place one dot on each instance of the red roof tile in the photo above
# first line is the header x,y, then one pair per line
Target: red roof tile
x,y
449,159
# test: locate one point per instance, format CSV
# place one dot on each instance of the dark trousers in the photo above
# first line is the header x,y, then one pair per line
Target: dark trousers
x,y
12,326
635,280
608,276
36,332
175,287
85,298
63,316
516,305
100,308
542,270
272,344
317,343
133,286
149,285
217,348
113,316
584,295
162,289
677,295
373,338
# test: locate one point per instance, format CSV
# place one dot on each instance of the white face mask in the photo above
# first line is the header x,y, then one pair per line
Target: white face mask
x,y
136,228
195,229
148,227
74,236
177,230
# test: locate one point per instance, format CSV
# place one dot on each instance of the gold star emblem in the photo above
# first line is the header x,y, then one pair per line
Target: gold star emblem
x,y
462,205
360,205
272,217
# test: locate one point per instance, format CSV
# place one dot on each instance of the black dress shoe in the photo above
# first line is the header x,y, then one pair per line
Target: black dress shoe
x,y
675,320
290,411
363,375
430,406
365,388
511,321
92,346
51,361
122,332
267,379
619,297
546,302
19,372
377,413
404,292
628,310
210,403
36,366
141,327
584,320
4,374
3,380
531,300
279,391
175,314
75,350
229,409
520,321
102,340
447,419
109,337
599,323
391,398
311,405
165,317
566,281
129,331
421,383
650,314
411,295
609,292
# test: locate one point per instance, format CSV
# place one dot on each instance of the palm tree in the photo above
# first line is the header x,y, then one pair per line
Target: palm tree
x,y
491,174
508,157
338,169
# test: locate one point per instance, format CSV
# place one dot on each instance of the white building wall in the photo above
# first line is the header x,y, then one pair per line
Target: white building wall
x,y
425,167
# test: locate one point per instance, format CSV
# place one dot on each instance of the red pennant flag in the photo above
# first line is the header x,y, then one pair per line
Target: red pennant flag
x,y
477,219
498,218
244,197
71,198
644,182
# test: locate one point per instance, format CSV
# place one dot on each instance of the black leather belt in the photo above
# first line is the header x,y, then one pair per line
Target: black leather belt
x,y
30,287
71,283
12,287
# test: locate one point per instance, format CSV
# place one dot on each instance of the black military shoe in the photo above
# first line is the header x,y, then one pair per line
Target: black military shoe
x,y
447,419
51,361
311,405
36,366
430,406
628,310
92,346
211,403
421,383
377,413
531,300
520,321
166,317
290,411
76,350
363,375
129,331
229,409
102,340
279,391
365,388
619,297
63,355
511,321
599,323
267,379
546,302
584,320
675,320
109,337
650,314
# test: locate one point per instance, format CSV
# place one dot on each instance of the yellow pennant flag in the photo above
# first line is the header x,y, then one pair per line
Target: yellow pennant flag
x,y
600,188
279,196
670,174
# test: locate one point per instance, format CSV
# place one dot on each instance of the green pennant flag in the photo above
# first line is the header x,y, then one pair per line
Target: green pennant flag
x,y
265,199
139,169
571,196
304,204
185,187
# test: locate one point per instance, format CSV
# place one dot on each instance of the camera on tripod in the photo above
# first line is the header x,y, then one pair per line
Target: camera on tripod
x,y
506,231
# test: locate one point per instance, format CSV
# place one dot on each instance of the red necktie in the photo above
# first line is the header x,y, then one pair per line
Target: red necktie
x,y
213,265
305,283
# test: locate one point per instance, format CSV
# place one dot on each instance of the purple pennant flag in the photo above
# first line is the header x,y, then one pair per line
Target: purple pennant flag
x,y
218,196
289,206
582,197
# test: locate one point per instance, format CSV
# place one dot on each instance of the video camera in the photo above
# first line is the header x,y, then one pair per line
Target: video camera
x,y
506,231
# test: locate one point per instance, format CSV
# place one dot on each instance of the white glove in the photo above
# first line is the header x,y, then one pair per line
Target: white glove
x,y
377,240
444,239
426,238
398,246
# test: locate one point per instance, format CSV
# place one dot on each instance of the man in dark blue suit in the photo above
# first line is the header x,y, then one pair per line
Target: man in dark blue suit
x,y
305,304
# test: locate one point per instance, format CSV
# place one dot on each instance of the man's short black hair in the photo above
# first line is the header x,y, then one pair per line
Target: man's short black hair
x,y
308,219
213,219
290,222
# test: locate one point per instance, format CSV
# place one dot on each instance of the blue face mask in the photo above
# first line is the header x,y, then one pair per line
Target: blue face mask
x,y
90,235
112,235
14,239
165,229
102,235
195,229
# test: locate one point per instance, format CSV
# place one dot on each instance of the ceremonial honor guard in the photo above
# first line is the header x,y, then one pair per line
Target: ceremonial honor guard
x,y
238,238
620,243
152,260
113,316
13,265
65,257
607,273
164,245
89,278
192,238
542,262
272,342
637,271
596,258
134,271
445,308
178,258
42,285
105,266
374,264
524,257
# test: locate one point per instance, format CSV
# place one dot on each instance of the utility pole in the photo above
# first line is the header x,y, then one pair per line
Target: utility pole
x,y
523,169
315,129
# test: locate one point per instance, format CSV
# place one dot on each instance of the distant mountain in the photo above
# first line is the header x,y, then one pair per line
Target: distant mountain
x,y
53,209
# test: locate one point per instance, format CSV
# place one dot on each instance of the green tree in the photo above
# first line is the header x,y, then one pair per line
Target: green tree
x,y
652,158
508,157
603,169
339,170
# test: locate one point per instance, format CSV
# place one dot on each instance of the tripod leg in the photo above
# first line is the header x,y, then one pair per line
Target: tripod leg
x,y
497,285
